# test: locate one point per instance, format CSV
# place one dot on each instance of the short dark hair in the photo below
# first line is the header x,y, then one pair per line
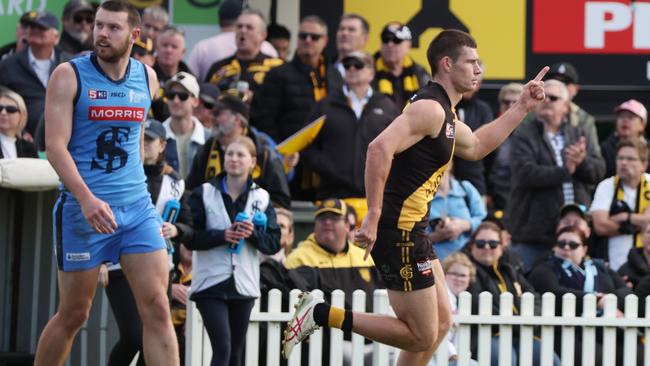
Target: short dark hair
x,y
123,6
571,229
637,144
448,44
277,31
365,26
315,19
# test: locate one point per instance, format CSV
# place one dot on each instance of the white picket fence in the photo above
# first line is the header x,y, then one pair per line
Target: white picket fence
x,y
199,353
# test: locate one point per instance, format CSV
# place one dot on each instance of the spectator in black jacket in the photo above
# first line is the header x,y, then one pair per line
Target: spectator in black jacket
x,y
13,117
354,115
231,121
631,120
78,19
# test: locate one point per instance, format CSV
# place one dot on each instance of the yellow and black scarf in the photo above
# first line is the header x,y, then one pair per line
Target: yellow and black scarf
x,y
642,201
385,79
319,80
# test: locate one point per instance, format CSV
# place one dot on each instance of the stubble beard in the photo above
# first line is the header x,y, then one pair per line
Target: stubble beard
x,y
115,54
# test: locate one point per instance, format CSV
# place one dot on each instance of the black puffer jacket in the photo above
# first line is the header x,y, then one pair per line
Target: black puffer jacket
x,y
281,106
338,154
636,266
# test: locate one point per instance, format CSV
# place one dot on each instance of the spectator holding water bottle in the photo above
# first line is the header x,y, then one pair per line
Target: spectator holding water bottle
x,y
234,220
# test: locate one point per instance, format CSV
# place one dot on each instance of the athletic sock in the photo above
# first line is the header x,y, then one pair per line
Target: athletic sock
x,y
326,315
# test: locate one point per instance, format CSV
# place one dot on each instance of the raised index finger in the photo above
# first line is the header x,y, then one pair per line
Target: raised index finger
x,y
541,73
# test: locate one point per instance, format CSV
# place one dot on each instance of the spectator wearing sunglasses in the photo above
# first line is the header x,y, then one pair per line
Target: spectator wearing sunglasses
x,y
13,118
354,115
631,122
496,276
185,133
208,96
553,163
78,19
397,75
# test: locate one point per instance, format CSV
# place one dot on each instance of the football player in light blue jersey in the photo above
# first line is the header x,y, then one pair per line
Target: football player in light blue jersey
x,y
94,113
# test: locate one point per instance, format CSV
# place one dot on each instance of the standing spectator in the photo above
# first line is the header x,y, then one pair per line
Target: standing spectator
x,y
13,117
631,120
28,71
475,113
499,174
291,90
210,50
226,277
231,122
351,36
397,75
20,38
185,133
621,205
553,162
154,20
242,73
354,115
454,213
78,19
638,260
143,51
280,37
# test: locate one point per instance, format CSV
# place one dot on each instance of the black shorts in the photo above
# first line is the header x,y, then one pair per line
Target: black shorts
x,y
404,259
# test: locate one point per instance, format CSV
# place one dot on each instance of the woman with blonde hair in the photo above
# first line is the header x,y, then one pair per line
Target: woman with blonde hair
x,y
13,119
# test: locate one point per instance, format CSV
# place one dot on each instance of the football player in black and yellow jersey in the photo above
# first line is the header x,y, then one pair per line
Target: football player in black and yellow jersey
x,y
404,166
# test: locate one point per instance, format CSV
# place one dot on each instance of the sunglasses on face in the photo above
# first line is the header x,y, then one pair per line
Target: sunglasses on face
x,y
313,36
181,95
480,243
9,108
81,18
391,38
357,64
552,98
562,244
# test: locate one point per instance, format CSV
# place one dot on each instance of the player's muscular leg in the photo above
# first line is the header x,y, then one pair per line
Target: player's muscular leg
x,y
148,276
76,290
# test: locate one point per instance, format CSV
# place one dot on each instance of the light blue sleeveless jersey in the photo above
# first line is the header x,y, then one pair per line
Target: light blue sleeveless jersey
x,y
106,126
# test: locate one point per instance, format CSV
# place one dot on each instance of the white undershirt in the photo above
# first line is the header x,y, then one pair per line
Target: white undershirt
x,y
8,146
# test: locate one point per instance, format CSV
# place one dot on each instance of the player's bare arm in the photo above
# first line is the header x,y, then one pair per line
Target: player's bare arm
x,y
420,119
476,145
59,105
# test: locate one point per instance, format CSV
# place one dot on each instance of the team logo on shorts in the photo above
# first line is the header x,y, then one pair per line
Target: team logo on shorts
x,y
449,130
406,272
77,257
97,94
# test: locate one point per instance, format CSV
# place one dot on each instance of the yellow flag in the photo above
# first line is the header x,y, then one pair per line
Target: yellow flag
x,y
302,138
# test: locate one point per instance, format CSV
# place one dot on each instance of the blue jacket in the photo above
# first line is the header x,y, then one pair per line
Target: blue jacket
x,y
464,202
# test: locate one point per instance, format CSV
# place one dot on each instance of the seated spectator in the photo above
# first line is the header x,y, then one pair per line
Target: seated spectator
x,y
13,118
454,213
280,37
226,275
552,163
78,20
284,218
496,277
143,51
621,205
231,122
354,115
631,120
638,260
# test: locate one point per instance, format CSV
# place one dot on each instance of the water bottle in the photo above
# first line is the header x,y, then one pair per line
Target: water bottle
x,y
259,221
171,211
236,247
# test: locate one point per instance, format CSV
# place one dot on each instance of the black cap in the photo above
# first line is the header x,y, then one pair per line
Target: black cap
x,y
209,92
573,207
230,10
77,6
155,130
396,30
43,19
228,102
564,72
335,205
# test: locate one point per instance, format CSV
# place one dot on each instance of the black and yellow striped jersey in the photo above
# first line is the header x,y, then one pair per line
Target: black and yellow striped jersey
x,y
416,172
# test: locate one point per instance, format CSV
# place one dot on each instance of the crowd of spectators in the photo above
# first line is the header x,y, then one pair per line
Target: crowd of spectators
x,y
552,210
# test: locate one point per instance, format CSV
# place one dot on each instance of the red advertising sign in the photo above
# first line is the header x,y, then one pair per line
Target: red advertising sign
x,y
591,26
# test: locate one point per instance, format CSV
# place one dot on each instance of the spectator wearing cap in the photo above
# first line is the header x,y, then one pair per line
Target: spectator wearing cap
x,y
164,184
396,74
243,73
631,121
208,96
552,163
154,20
231,122
475,113
20,39
280,37
351,36
78,18
621,205
354,115
185,133
142,50
28,71
216,48
291,90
